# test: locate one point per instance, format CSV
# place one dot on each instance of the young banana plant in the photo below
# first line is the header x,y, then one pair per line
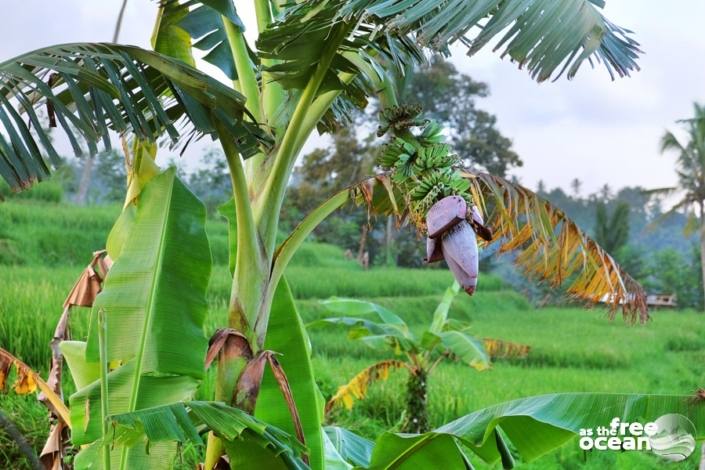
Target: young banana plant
x,y
312,62
383,330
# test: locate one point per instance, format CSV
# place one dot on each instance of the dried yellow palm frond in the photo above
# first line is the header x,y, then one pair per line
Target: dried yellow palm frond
x,y
500,349
549,245
28,381
357,387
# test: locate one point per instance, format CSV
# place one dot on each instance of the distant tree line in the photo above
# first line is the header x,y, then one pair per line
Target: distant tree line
x,y
659,247
654,245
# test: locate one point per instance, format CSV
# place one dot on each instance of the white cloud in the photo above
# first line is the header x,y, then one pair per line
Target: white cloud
x,y
592,128
595,129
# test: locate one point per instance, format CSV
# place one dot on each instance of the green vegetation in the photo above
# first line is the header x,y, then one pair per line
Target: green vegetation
x,y
573,350
146,355
418,354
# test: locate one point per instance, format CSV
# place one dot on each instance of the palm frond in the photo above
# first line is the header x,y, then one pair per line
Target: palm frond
x,y
548,37
552,248
356,388
670,142
690,155
91,89
665,191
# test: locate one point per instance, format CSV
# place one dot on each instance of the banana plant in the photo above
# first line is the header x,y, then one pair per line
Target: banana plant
x,y
312,62
384,330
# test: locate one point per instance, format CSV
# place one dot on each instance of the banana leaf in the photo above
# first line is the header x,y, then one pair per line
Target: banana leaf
x,y
287,335
154,304
533,425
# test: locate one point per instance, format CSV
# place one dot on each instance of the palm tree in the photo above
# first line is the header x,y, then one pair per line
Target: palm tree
x,y
313,61
690,167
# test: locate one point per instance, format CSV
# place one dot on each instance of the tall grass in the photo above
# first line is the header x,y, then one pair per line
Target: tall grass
x,y
48,191
52,234
41,232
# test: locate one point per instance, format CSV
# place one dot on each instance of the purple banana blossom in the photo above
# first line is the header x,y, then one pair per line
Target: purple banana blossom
x,y
452,237
460,252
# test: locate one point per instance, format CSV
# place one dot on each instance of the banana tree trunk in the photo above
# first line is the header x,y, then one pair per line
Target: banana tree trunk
x,y
416,402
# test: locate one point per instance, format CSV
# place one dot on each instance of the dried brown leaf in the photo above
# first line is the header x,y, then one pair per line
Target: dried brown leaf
x,y
249,383
357,387
25,382
5,367
52,455
283,383
29,381
227,343
500,349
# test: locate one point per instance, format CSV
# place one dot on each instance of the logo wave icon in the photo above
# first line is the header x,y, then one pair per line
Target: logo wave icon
x,y
674,439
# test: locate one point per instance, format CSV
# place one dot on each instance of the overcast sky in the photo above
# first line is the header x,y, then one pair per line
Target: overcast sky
x,y
591,128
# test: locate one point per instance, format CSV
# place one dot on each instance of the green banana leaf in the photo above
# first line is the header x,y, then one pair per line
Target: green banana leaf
x,y
287,335
534,426
377,336
353,307
184,423
154,303
204,24
440,315
348,446
168,37
468,349
82,373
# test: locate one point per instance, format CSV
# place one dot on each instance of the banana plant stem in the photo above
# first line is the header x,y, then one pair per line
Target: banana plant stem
x,y
103,346
275,187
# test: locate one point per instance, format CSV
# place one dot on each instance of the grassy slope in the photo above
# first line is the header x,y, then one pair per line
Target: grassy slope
x,y
573,350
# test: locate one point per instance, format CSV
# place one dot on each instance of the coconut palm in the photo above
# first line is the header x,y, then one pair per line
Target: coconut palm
x,y
690,167
312,62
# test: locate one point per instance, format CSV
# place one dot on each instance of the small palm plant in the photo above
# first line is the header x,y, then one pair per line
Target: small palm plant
x,y
690,167
442,340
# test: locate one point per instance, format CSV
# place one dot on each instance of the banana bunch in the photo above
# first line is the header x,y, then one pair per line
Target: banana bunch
x,y
421,164
397,118
423,167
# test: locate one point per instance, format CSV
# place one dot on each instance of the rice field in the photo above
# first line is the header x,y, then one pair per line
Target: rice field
x,y
573,349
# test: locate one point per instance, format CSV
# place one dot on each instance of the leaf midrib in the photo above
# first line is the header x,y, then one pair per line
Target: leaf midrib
x,y
148,315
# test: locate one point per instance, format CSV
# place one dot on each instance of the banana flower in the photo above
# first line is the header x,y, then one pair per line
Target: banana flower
x,y
452,236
